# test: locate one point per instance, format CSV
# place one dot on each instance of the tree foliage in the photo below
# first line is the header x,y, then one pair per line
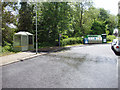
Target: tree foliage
x,y
25,17
71,19
7,19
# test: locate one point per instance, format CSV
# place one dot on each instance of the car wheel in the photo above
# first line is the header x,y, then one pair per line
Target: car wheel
x,y
112,48
117,53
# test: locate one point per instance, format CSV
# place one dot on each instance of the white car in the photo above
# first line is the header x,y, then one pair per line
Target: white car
x,y
116,46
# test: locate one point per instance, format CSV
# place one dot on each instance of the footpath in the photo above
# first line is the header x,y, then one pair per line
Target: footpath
x,y
4,60
8,59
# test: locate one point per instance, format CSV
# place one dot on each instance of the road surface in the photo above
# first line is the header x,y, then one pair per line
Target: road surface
x,y
86,66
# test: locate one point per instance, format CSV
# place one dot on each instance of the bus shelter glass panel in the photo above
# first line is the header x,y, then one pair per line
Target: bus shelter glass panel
x,y
24,43
30,40
24,40
17,40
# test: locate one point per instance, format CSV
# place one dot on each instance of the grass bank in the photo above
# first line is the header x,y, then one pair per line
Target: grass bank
x,y
6,50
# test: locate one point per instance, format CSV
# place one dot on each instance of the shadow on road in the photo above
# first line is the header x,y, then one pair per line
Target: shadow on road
x,y
52,49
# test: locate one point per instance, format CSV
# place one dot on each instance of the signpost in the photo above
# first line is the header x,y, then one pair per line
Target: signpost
x,y
59,38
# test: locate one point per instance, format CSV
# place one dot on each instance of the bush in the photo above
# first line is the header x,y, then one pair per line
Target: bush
x,y
110,37
7,48
46,44
70,41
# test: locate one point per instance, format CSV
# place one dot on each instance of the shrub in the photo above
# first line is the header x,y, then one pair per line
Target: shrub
x,y
110,37
46,44
70,41
7,48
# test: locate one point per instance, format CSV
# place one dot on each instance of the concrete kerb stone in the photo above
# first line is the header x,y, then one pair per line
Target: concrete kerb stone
x,y
32,56
21,59
25,58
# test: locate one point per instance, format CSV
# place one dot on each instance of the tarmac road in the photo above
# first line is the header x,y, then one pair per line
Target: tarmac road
x,y
87,66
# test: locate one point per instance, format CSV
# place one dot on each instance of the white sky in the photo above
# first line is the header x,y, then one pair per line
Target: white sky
x,y
111,5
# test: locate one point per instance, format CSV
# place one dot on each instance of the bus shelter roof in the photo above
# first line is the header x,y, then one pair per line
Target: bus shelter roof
x,y
23,33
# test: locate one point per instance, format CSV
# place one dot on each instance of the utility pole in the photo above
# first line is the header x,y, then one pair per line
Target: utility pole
x,y
36,31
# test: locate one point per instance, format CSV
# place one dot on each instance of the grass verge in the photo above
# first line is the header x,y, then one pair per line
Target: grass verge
x,y
6,53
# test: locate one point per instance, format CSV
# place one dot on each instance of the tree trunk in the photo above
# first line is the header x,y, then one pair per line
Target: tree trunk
x,y
81,18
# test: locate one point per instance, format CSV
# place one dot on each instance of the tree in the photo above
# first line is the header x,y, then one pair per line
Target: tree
x,y
80,9
98,28
25,17
89,17
105,21
118,24
8,18
104,15
53,19
112,23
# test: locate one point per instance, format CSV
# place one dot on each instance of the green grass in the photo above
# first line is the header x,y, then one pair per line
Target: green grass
x,y
5,51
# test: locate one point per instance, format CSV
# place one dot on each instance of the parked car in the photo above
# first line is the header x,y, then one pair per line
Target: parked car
x,y
116,46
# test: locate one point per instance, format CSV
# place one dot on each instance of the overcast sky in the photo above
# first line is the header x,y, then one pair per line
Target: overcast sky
x,y
111,5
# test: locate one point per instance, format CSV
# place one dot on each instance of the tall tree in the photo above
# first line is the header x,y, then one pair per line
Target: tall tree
x,y
53,19
8,18
112,23
89,17
104,14
98,27
79,13
25,17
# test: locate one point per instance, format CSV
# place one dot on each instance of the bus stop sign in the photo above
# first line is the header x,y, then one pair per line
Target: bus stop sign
x,y
60,35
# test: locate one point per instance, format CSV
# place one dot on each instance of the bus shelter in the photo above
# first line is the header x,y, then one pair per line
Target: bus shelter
x,y
23,41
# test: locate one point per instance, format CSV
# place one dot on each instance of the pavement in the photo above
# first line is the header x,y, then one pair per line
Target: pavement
x,y
4,60
8,59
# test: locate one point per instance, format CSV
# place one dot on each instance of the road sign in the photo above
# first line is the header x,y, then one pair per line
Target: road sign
x,y
60,35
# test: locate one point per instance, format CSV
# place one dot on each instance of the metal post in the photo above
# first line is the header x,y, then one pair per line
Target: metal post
x,y
36,31
59,40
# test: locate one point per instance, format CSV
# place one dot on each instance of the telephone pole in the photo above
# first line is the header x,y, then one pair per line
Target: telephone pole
x,y
36,31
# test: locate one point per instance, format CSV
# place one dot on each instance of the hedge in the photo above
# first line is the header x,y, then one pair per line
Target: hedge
x,y
110,37
70,41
